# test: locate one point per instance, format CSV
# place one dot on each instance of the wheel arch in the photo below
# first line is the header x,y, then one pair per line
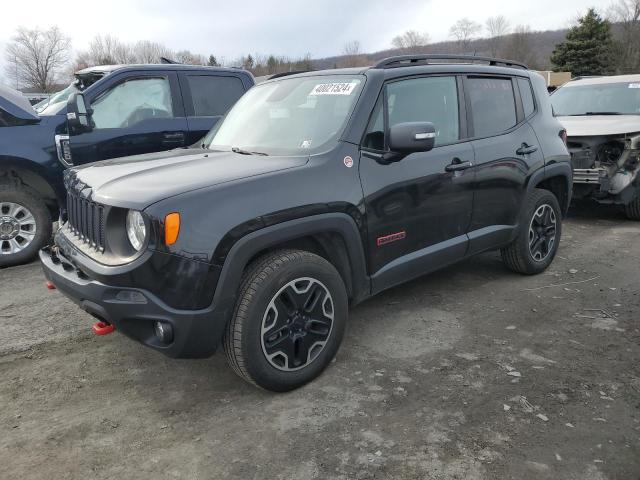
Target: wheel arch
x,y
333,236
558,179
23,172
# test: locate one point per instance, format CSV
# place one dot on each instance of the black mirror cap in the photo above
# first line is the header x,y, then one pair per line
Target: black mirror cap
x,y
78,114
410,137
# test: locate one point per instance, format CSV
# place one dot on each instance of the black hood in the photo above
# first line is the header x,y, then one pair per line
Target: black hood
x,y
139,181
16,104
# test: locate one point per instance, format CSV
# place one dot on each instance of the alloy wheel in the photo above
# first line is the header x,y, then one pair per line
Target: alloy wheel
x,y
542,232
17,228
297,324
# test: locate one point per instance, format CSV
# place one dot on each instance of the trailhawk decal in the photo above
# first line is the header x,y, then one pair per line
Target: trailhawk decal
x,y
394,237
334,88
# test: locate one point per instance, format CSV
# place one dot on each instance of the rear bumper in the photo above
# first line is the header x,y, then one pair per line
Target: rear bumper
x,y
196,333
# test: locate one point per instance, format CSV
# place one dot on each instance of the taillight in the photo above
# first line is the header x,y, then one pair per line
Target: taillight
x,y
563,136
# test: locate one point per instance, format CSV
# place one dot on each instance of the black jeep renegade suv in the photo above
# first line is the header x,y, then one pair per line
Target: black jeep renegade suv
x,y
316,191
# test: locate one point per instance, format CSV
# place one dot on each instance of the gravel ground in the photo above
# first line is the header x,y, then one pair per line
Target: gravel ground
x,y
470,373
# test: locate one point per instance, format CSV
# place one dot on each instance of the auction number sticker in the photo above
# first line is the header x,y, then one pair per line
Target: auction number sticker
x,y
334,88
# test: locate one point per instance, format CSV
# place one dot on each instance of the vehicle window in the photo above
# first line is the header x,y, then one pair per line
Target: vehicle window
x,y
374,136
493,106
428,99
289,116
8,120
527,96
622,98
132,102
213,96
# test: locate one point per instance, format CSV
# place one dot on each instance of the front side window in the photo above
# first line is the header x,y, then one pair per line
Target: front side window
x,y
213,96
493,106
132,102
292,116
426,99
620,98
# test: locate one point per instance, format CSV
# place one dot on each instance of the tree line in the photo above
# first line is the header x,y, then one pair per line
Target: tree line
x,y
595,45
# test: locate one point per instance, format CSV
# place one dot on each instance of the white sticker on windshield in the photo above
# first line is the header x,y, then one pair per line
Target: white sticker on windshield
x,y
634,85
334,88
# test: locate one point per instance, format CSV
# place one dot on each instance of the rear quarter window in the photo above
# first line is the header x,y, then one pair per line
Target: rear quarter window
x,y
213,96
493,106
526,94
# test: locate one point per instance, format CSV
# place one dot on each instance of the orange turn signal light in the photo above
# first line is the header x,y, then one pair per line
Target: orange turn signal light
x,y
171,228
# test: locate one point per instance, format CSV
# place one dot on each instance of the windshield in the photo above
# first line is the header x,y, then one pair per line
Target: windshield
x,y
293,116
52,104
603,99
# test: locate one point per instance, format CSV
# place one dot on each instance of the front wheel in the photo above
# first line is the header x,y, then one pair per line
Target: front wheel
x,y
288,322
25,224
540,230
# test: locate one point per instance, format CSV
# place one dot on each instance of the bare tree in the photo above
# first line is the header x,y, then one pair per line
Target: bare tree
x,y
146,51
351,51
464,31
497,27
410,41
189,58
626,13
519,46
37,57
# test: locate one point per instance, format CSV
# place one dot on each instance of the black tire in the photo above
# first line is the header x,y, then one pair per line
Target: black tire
x,y
29,199
632,210
518,256
244,343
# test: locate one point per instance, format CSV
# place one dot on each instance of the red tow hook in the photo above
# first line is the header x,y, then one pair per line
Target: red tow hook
x,y
50,285
103,328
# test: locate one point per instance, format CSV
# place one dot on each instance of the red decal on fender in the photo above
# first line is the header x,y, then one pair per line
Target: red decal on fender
x,y
394,237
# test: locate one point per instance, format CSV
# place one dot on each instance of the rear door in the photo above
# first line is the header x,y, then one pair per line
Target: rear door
x,y
506,151
207,97
135,113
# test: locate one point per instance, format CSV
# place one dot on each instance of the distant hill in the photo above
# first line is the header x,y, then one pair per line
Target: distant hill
x,y
538,47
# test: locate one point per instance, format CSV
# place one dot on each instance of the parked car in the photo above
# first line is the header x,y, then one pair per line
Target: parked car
x,y
316,191
136,109
602,119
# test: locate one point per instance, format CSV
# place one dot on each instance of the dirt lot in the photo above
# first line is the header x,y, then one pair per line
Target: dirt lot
x,y
471,373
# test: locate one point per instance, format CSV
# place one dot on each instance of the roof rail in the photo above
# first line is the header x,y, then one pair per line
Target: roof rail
x,y
286,74
435,59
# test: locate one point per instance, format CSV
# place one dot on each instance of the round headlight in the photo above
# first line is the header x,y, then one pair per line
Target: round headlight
x,y
136,230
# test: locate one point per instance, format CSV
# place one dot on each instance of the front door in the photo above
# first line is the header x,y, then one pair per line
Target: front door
x,y
139,113
418,210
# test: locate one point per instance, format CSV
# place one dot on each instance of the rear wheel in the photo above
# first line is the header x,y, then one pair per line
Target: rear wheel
x,y
632,210
540,230
25,224
288,322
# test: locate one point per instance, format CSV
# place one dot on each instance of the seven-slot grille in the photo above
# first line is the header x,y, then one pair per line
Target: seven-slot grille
x,y
86,220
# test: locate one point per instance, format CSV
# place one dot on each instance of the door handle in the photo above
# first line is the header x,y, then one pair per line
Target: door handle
x,y
457,165
526,149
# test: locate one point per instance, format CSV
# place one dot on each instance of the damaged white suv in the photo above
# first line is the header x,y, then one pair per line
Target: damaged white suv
x,y
602,119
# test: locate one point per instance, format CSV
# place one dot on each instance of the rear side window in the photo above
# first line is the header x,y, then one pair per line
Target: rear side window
x,y
527,96
213,96
493,106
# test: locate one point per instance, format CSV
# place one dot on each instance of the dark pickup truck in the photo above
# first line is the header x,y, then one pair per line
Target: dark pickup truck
x,y
135,109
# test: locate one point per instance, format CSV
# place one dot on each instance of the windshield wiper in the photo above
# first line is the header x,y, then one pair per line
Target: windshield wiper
x,y
595,113
246,152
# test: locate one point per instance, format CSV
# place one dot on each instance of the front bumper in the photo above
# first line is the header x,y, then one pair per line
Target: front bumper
x,y
196,333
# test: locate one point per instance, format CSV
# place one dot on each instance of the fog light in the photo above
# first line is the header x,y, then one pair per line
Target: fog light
x,y
164,332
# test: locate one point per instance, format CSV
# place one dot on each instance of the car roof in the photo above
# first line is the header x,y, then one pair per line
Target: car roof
x,y
603,80
105,69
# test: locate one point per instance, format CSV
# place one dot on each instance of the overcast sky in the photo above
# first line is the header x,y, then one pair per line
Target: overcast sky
x,y
229,29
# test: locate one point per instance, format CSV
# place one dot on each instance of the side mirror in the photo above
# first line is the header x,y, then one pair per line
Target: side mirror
x,y
78,114
410,137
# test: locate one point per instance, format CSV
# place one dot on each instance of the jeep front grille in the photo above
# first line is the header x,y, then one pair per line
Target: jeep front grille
x,y
86,220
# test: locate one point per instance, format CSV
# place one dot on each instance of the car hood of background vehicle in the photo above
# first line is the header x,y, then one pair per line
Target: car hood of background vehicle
x,y
594,125
16,104
139,181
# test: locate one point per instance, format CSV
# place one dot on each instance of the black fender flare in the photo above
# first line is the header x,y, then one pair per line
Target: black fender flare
x,y
248,246
560,169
